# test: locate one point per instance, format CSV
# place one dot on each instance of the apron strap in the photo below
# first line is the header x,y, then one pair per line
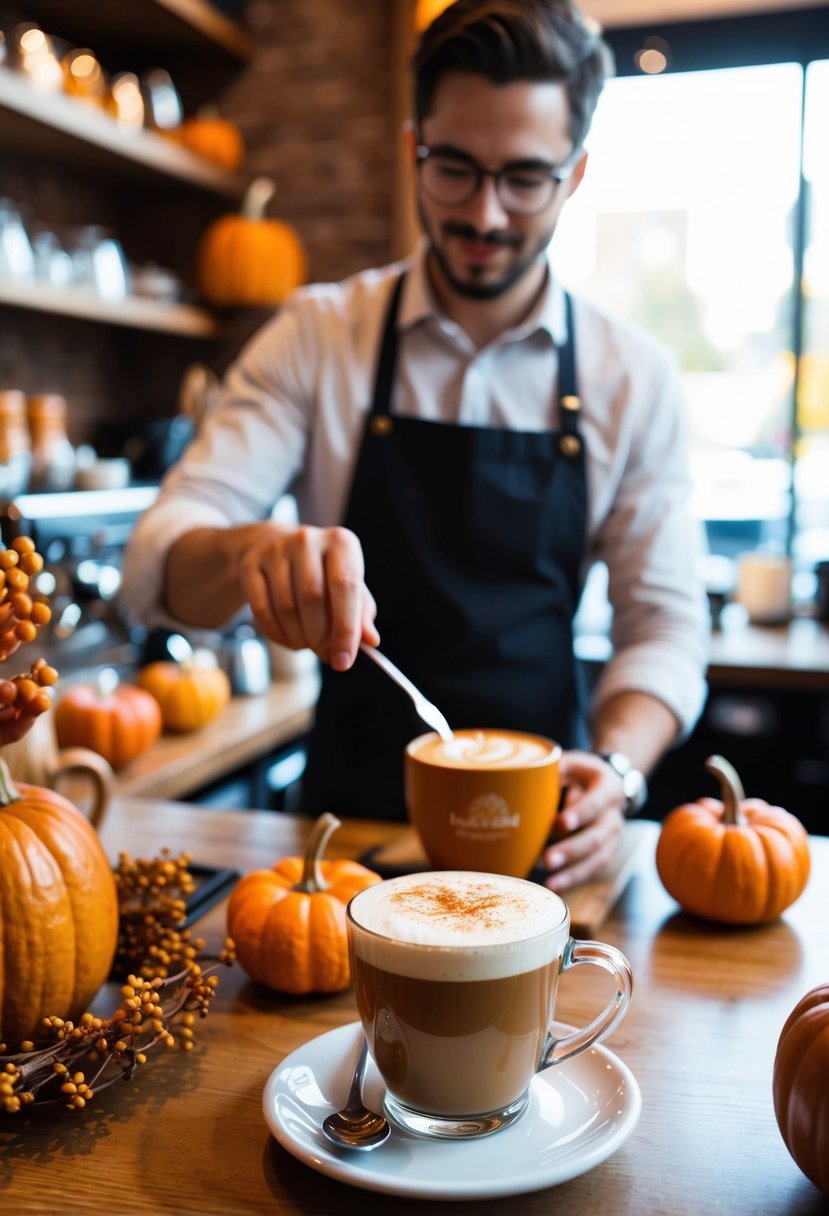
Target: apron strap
x,y
569,401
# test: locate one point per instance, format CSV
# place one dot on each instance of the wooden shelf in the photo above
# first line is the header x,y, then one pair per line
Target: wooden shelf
x,y
114,27
133,312
54,126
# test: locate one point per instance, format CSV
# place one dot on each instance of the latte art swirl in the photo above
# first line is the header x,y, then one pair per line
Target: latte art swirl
x,y
486,749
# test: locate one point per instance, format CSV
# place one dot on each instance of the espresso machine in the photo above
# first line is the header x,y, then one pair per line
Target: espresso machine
x,y
82,536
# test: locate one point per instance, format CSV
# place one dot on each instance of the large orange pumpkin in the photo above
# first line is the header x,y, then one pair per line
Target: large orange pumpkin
x,y
118,721
800,1085
738,860
189,694
247,260
58,910
288,923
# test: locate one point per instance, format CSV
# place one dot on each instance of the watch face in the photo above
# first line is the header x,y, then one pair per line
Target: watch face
x,y
636,790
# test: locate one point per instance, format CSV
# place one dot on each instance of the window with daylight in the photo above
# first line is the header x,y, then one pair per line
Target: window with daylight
x,y
704,218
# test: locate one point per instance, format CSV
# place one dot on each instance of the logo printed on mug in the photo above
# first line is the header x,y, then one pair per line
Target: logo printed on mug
x,y
484,799
487,817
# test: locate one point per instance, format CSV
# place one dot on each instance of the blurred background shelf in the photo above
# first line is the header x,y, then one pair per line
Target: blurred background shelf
x,y
60,129
139,26
132,312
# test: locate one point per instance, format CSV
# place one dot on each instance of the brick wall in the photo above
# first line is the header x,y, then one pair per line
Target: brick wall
x,y
316,113
316,107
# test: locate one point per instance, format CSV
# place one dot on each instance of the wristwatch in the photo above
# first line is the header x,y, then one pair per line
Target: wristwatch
x,y
634,785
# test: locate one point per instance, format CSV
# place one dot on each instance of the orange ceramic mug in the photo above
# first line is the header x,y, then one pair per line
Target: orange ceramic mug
x,y
485,800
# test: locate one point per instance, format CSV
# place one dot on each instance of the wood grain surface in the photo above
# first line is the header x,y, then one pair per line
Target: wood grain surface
x,y
188,1136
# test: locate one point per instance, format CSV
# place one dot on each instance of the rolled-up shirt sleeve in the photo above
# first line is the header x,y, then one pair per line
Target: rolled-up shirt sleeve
x,y
652,546
246,453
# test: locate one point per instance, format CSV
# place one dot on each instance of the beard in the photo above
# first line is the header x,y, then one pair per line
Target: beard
x,y
472,287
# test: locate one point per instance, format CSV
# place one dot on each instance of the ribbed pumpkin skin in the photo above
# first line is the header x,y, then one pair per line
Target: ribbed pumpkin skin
x,y
58,912
189,697
742,874
118,726
250,263
292,941
800,1085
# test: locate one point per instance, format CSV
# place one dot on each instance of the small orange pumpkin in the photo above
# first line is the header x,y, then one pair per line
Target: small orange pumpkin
x,y
800,1085
215,139
739,861
118,721
288,923
58,909
247,260
190,694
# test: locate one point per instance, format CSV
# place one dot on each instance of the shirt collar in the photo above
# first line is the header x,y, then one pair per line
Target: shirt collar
x,y
418,304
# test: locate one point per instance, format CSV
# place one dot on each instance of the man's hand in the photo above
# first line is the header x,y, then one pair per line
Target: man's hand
x,y
306,588
588,829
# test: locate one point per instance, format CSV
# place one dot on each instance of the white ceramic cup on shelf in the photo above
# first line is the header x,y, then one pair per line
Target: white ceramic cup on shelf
x,y
764,587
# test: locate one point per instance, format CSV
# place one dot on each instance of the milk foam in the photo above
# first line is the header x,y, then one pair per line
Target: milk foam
x,y
486,749
454,925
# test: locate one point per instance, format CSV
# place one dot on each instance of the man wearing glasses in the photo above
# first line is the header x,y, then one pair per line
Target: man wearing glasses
x,y
464,440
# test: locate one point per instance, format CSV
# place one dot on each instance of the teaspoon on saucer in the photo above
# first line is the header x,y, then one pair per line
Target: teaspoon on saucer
x,y
355,1126
430,713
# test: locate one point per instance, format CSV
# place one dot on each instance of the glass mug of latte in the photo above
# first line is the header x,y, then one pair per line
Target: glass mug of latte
x,y
455,975
484,799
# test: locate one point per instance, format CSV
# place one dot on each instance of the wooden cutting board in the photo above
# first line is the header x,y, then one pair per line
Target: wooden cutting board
x,y
589,903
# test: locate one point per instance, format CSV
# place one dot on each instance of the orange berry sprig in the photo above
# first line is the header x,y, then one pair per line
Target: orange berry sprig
x,y
75,1060
152,908
22,615
28,688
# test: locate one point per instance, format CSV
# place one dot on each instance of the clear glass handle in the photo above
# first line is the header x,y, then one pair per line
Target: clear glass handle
x,y
599,954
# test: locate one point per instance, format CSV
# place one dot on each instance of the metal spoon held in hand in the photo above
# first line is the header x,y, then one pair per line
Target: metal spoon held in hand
x,y
355,1126
430,713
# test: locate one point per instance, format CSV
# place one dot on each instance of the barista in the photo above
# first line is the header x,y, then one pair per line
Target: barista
x,y
464,439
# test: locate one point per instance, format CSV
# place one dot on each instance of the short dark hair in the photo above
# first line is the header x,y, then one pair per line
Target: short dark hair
x,y
512,40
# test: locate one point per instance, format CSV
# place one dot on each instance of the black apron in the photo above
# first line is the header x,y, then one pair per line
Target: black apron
x,y
473,540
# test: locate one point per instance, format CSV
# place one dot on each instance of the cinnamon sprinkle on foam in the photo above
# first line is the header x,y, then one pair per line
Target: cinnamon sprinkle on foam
x,y
435,901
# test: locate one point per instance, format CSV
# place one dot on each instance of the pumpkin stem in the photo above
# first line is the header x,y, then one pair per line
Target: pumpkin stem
x,y
730,785
8,790
259,193
312,879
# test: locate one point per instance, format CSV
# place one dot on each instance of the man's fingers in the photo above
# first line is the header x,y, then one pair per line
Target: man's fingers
x,y
583,854
344,581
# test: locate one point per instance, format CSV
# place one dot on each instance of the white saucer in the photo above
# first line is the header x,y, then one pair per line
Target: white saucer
x,y
579,1113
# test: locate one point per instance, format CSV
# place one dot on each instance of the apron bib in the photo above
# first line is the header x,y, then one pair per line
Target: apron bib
x,y
473,539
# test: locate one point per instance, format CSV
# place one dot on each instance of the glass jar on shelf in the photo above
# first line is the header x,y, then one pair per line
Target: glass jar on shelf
x,y
15,445
53,457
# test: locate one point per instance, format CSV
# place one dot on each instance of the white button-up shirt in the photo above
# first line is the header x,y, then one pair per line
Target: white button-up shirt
x,y
292,413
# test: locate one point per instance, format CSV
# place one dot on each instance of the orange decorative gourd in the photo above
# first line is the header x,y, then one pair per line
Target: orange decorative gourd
x,y
118,721
288,923
739,860
189,694
800,1085
247,260
215,139
427,11
58,910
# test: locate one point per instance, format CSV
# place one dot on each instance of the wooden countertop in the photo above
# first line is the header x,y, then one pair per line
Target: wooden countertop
x,y
781,657
247,728
787,657
188,1135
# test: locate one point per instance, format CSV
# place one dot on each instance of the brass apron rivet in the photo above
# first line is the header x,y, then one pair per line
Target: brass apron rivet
x,y
381,425
569,445
571,403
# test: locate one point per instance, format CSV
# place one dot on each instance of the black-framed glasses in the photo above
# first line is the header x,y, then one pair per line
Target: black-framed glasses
x,y
524,187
